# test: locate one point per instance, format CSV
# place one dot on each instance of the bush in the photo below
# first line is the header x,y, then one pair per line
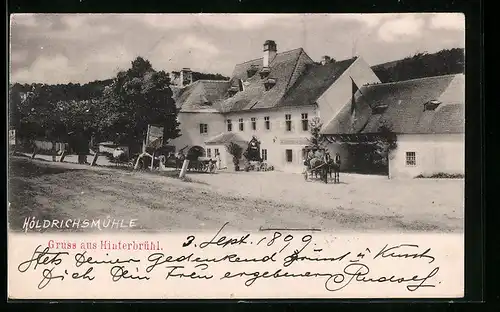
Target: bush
x,y
441,175
236,151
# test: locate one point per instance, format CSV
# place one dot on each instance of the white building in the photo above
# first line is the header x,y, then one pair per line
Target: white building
x,y
272,98
427,116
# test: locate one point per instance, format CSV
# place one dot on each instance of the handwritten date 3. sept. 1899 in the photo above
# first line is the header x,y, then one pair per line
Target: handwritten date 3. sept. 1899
x,y
267,257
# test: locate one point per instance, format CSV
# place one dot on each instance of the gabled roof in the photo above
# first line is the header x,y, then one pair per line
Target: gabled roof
x,y
405,112
284,68
225,138
201,96
298,82
314,82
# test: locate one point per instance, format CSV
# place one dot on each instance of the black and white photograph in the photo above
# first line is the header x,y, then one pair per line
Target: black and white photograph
x,y
186,123
338,122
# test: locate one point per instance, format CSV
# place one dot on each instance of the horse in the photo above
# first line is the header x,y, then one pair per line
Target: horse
x,y
334,166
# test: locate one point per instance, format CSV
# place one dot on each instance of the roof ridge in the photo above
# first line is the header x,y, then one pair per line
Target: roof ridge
x,y
413,79
287,87
259,58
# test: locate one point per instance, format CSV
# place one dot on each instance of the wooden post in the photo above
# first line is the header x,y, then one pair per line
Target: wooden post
x,y
61,159
184,168
94,159
54,151
152,161
136,166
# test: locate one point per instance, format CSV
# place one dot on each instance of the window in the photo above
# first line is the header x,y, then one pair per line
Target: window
x,y
254,123
305,122
267,123
411,159
209,152
304,154
241,124
264,154
216,152
288,121
289,155
229,125
203,128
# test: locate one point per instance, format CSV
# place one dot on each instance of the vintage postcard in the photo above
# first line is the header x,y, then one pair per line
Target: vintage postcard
x,y
236,156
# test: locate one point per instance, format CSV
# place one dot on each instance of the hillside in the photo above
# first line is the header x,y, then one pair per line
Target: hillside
x,y
422,65
94,89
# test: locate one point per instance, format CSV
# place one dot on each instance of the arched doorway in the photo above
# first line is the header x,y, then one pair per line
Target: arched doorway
x,y
194,152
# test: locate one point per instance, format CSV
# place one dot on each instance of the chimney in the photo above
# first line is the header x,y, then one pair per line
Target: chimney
x,y
186,77
325,60
269,52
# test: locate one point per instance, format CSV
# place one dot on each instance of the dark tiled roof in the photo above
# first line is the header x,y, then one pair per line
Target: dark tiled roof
x,y
405,108
202,95
299,81
314,82
283,68
225,138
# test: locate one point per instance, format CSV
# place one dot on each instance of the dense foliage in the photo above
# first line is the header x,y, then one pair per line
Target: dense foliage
x,y
316,141
205,76
236,151
118,110
421,65
137,97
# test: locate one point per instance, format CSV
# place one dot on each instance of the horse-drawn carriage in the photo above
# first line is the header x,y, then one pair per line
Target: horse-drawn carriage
x,y
203,164
319,164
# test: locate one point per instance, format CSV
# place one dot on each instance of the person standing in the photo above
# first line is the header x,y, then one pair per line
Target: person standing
x,y
218,160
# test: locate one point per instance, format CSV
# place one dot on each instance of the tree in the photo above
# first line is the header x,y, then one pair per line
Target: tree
x,y
317,140
236,151
137,98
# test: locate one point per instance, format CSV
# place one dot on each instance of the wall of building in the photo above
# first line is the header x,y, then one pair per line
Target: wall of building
x,y
277,140
340,93
225,158
435,153
190,128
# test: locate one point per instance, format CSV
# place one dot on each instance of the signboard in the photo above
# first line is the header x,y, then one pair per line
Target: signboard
x,y
294,141
12,137
154,138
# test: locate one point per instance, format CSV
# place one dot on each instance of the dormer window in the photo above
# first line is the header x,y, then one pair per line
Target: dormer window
x,y
264,72
233,90
270,82
379,109
236,87
252,70
204,100
431,105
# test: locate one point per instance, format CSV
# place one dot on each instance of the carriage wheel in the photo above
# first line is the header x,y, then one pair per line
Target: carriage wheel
x,y
305,175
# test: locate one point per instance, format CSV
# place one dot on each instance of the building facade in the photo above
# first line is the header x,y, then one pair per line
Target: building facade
x,y
272,99
426,116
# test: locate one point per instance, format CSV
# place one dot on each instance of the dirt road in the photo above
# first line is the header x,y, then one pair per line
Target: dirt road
x,y
247,200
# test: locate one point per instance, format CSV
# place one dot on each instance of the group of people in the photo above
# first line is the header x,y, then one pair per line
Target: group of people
x,y
320,155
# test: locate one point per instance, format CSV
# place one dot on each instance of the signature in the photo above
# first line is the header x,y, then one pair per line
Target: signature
x,y
353,272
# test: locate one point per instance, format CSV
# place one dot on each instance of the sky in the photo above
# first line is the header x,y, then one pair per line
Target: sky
x,y
79,48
